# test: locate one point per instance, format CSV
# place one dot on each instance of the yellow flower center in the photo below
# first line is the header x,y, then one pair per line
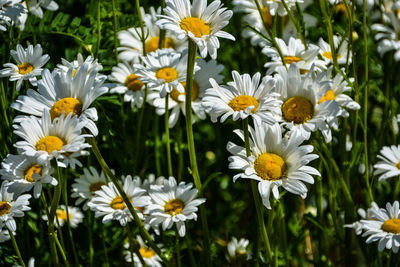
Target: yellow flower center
x,y
168,74
174,206
133,83
152,43
398,165
175,93
330,95
36,168
270,166
196,26
340,8
4,208
49,144
73,73
68,104
328,55
96,186
267,17
391,226
25,68
62,215
118,203
146,253
241,102
297,109
291,59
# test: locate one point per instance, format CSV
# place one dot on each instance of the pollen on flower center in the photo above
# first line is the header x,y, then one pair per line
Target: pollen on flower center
x,y
196,26
329,95
270,166
146,252
174,206
25,68
62,215
35,168
153,42
297,109
118,203
291,59
49,143
168,74
68,104
241,102
175,93
391,226
133,83
328,55
4,208
95,186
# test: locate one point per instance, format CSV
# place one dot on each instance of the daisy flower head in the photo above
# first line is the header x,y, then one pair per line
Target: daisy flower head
x,y
293,52
61,218
237,249
127,83
340,49
384,226
64,93
149,256
109,203
4,235
388,36
276,7
389,164
176,99
61,139
163,70
9,11
302,110
86,185
243,97
35,6
201,23
173,203
29,65
11,206
150,180
93,65
274,161
357,226
25,172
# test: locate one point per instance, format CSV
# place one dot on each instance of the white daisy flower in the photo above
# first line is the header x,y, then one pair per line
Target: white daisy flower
x,y
86,185
4,235
388,37
357,226
163,70
277,7
176,99
29,65
197,21
149,181
237,249
389,164
294,52
274,161
75,216
35,6
9,11
59,92
131,44
301,110
127,83
340,47
46,139
384,226
108,202
25,172
93,65
173,204
245,96
149,256
11,207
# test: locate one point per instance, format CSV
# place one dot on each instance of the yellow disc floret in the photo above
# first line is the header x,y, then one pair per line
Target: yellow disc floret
x,y
4,208
196,26
242,102
391,226
118,203
62,215
133,83
175,93
25,68
153,42
168,74
67,105
291,59
297,109
329,95
35,168
328,55
270,166
174,206
49,143
146,252
95,186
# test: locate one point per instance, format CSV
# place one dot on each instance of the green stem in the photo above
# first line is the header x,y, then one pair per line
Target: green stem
x,y
115,31
142,37
329,31
90,225
14,242
60,248
156,146
98,29
139,129
4,104
190,140
296,24
103,241
178,248
162,32
134,247
167,142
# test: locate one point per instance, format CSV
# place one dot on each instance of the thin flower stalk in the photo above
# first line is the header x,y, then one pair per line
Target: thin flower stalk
x,y
15,245
168,143
115,31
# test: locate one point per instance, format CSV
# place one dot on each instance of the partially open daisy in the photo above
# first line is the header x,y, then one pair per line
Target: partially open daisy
x,y
384,226
176,99
86,185
108,202
26,172
197,21
149,256
274,162
61,92
127,83
92,63
357,226
11,206
237,250
389,164
388,37
47,139
245,96
163,71
29,65
173,203
74,214
340,49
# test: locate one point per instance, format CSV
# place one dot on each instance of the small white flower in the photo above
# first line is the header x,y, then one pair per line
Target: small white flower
x,y
277,7
149,256
75,216
341,46
173,204
357,226
9,11
29,65
35,6
237,249
389,164
388,36
93,65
